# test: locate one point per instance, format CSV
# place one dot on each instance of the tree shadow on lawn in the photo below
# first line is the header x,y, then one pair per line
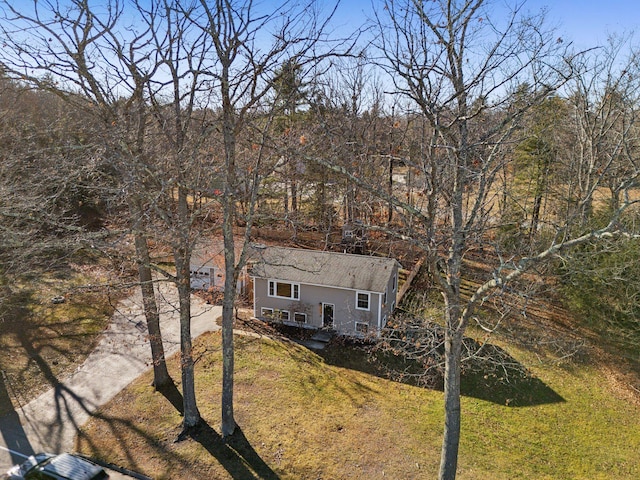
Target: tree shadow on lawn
x,y
172,394
41,343
495,376
235,453
120,431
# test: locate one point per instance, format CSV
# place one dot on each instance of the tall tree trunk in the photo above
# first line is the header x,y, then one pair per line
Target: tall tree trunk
x,y
321,205
285,198
453,307
350,200
390,189
182,257
294,195
293,185
160,373
454,332
451,438
542,175
535,216
228,424
191,413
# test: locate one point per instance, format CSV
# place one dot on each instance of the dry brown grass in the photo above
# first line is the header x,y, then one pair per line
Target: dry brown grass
x,y
302,416
299,418
41,342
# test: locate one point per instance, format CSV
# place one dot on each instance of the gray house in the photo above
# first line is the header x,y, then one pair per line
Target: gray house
x,y
350,294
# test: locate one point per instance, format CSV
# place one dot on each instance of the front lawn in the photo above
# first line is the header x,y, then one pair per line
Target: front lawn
x,y
302,417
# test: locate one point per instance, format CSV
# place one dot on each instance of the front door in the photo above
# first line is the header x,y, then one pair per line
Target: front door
x,y
327,315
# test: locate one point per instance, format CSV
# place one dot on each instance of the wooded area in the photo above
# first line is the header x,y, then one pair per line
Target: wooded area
x,y
460,128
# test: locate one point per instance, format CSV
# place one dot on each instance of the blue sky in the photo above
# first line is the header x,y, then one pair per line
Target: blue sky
x,y
588,23
585,22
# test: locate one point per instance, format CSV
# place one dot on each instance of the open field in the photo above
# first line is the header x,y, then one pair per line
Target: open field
x,y
306,416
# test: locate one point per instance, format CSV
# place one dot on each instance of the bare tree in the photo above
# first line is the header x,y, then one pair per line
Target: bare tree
x,y
49,172
76,53
250,45
347,107
604,108
181,122
173,60
459,67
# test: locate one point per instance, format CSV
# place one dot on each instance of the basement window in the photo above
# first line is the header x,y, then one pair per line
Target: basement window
x,y
362,327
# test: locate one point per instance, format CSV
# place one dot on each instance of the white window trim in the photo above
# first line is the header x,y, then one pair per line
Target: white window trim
x,y
366,327
266,312
281,313
368,294
304,315
295,289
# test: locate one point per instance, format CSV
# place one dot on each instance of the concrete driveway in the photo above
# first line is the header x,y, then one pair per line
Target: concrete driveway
x,y
50,422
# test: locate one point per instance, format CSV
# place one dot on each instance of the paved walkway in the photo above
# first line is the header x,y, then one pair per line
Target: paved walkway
x,y
49,422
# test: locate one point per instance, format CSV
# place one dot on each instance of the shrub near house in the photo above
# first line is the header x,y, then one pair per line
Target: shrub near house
x,y
351,294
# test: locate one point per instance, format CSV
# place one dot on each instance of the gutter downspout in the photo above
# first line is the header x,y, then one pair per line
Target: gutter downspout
x,y
253,279
379,314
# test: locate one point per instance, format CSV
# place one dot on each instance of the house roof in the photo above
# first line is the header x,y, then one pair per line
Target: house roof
x,y
208,252
205,257
342,270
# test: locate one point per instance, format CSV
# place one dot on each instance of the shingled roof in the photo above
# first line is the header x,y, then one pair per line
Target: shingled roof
x,y
342,270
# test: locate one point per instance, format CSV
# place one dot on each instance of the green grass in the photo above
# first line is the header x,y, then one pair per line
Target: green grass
x,y
592,433
304,417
